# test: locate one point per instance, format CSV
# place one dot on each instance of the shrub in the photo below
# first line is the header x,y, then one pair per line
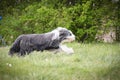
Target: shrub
x,y
82,23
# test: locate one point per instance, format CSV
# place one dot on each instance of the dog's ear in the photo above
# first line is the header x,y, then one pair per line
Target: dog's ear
x,y
63,34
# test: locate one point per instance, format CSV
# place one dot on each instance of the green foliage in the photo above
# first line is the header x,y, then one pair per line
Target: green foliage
x,y
34,19
83,21
84,17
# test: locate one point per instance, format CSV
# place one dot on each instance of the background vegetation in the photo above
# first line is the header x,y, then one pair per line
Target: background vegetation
x,y
84,17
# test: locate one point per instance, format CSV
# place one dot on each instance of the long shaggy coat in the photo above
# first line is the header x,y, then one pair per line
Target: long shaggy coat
x,y
25,44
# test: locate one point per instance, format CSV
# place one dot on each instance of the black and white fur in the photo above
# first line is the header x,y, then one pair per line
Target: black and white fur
x,y
27,43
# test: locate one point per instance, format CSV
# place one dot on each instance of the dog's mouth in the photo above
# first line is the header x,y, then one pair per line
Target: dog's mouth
x,y
68,39
72,38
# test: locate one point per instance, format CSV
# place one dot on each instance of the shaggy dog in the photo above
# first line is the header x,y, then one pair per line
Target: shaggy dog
x,y
27,43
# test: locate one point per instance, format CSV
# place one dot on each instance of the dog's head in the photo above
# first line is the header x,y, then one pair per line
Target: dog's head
x,y
63,34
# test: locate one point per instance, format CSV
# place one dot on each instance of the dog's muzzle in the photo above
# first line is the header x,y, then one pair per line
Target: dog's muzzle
x,y
69,39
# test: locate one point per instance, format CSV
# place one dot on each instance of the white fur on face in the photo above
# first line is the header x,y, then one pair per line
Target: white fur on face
x,y
70,38
56,32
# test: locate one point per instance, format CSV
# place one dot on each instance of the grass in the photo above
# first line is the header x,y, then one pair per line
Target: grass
x,y
93,61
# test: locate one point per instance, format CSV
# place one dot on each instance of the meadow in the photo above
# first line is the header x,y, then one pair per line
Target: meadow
x,y
91,61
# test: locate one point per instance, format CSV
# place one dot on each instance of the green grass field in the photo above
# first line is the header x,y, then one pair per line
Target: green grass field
x,y
93,61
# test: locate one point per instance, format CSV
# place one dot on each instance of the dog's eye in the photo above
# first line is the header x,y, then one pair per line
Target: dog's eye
x,y
70,34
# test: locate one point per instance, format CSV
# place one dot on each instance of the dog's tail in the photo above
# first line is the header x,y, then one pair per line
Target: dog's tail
x,y
16,46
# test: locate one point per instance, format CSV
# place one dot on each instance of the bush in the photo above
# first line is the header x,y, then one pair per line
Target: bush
x,y
82,23
33,19
84,17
